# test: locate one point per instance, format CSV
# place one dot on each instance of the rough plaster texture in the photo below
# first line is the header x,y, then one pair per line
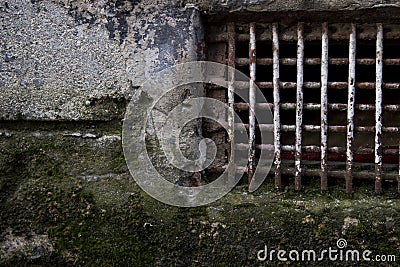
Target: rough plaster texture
x,y
53,67
232,6
79,61
74,60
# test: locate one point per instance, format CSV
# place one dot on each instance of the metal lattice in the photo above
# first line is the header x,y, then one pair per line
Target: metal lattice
x,y
334,92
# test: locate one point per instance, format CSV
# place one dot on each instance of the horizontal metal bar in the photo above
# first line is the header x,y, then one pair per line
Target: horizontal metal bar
x,y
259,61
292,37
340,174
317,128
316,61
371,107
315,106
331,85
317,149
240,85
314,149
361,175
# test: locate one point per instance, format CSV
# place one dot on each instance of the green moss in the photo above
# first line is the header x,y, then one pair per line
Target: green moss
x,y
110,221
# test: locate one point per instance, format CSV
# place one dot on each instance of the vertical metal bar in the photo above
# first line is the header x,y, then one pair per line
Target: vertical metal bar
x,y
350,108
231,95
378,108
324,107
231,77
277,120
398,177
252,99
299,105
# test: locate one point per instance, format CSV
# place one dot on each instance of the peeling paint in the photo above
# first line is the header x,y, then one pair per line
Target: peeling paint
x,y
350,109
324,107
378,108
276,94
252,100
299,105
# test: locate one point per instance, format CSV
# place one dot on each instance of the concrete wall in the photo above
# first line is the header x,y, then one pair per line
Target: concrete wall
x,y
79,61
67,71
82,62
73,60
231,6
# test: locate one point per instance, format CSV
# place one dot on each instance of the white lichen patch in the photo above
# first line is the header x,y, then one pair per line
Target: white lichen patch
x,y
308,220
32,246
349,222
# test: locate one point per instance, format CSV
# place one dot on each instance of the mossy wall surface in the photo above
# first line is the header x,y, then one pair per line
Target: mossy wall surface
x,y
67,71
52,214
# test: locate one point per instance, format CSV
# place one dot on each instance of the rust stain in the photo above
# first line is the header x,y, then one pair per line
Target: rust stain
x,y
252,56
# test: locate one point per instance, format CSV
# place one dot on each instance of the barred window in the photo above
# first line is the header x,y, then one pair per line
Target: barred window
x,y
334,92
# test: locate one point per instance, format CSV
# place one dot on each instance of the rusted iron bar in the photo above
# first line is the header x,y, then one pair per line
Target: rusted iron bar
x,y
369,85
231,78
391,107
398,177
332,128
350,108
317,149
317,61
362,175
366,107
391,61
340,174
331,85
252,100
315,106
309,85
259,61
299,106
276,94
371,129
231,95
324,107
378,108
291,36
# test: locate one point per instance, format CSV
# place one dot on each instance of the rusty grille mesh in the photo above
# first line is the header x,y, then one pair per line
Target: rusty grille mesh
x,y
334,92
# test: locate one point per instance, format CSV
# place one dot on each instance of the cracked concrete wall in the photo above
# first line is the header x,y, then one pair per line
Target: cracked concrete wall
x,y
233,6
74,60
80,61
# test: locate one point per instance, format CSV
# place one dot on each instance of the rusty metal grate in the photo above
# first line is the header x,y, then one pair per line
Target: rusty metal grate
x,y
334,90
